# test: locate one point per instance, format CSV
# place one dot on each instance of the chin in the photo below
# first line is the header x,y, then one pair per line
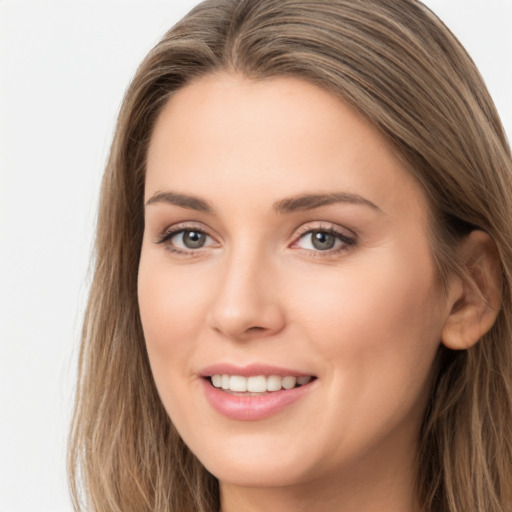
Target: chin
x,y
254,463
251,474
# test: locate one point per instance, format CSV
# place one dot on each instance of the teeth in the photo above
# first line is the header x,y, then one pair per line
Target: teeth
x,y
274,383
217,380
303,380
289,382
257,383
238,383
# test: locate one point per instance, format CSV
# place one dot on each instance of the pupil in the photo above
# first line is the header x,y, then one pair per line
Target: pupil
x,y
323,241
193,239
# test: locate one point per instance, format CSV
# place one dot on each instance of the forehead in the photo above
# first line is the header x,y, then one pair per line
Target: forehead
x,y
273,138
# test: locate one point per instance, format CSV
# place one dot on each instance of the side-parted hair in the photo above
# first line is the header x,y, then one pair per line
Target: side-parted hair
x,y
398,65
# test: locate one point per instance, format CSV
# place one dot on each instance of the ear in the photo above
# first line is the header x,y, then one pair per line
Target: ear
x,y
475,295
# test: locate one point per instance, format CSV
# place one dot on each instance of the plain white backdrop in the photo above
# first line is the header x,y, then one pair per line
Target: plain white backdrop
x,y
64,67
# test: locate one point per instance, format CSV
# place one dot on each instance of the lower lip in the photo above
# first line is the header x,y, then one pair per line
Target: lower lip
x,y
252,408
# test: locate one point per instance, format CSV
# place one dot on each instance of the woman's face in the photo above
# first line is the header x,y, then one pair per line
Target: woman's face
x,y
286,250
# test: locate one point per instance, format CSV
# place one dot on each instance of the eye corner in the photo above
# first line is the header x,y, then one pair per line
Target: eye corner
x,y
185,239
324,239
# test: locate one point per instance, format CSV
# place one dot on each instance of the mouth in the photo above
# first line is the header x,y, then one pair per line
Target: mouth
x,y
257,385
254,392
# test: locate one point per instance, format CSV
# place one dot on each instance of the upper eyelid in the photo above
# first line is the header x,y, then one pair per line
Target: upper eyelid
x,y
170,231
165,240
302,230
186,226
347,237
325,226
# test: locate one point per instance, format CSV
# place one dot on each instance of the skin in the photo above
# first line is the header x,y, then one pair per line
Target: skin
x,y
366,318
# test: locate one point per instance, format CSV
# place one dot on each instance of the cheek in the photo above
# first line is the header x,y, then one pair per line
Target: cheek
x,y
172,313
378,331
376,324
172,309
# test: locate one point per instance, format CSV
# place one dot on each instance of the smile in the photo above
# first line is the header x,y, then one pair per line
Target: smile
x,y
254,392
257,384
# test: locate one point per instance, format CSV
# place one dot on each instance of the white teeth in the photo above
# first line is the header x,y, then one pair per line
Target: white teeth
x,y
289,382
274,383
257,383
238,383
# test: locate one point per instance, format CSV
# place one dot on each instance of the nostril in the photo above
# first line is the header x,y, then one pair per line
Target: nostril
x,y
255,329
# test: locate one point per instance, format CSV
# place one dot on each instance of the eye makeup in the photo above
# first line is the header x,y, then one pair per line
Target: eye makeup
x,y
324,240
315,239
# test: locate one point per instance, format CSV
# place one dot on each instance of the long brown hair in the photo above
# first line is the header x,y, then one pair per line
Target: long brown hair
x,y
401,68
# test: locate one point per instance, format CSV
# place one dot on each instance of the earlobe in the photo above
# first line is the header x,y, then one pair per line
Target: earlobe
x,y
475,294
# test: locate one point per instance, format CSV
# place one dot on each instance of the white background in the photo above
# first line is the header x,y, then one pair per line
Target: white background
x,y
63,69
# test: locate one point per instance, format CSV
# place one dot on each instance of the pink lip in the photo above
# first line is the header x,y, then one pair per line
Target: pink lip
x,y
249,370
246,407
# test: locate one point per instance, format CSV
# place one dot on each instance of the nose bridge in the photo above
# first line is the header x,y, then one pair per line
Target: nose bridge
x,y
245,300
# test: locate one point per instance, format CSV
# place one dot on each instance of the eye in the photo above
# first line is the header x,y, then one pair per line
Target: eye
x,y
186,240
190,239
324,240
320,240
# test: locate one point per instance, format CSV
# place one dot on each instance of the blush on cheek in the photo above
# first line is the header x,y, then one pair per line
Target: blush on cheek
x,y
170,320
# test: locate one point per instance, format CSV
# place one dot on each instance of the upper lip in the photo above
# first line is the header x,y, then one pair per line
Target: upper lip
x,y
251,370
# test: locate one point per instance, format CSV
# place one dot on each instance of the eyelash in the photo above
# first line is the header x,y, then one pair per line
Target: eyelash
x,y
347,242
168,234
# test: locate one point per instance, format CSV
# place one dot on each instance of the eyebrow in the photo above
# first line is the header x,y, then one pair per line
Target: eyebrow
x,y
182,200
288,205
311,201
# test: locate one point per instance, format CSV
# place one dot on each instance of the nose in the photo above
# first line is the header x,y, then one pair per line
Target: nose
x,y
245,303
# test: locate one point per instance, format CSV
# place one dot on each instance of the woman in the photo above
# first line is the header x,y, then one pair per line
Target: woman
x,y
302,289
